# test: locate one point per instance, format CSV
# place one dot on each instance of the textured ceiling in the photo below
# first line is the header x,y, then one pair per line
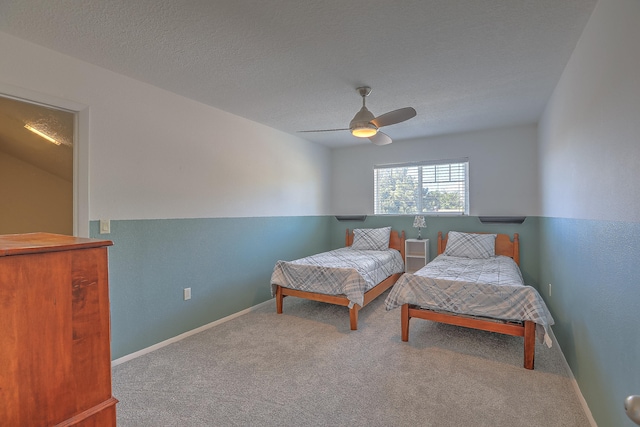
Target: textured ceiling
x,y
295,64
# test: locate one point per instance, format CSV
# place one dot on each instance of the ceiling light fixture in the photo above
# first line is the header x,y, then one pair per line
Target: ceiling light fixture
x,y
361,125
42,134
364,130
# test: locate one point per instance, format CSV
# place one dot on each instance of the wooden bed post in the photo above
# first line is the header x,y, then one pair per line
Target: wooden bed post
x,y
348,238
529,343
404,322
516,248
353,317
279,298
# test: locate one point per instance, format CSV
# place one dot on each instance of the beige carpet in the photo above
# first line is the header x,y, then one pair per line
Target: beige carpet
x,y
306,368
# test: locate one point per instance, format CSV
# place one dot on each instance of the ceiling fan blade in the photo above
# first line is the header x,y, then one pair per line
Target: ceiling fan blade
x,y
393,117
380,138
322,130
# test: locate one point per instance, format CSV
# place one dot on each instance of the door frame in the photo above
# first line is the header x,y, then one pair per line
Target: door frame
x,y
80,148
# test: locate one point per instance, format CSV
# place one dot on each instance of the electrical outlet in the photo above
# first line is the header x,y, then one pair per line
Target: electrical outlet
x,y
187,293
549,289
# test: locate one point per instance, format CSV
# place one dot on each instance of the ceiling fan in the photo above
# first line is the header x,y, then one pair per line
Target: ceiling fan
x,y
365,125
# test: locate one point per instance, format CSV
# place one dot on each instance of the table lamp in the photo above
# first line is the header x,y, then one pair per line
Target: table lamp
x,y
418,222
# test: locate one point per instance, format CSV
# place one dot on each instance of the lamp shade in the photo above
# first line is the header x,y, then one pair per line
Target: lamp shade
x,y
418,222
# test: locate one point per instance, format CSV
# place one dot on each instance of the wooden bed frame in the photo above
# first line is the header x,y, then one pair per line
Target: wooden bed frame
x,y
396,241
526,329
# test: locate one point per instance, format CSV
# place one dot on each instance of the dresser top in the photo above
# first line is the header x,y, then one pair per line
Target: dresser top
x,y
30,243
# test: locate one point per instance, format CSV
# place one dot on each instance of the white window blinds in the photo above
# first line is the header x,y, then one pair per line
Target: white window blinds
x,y
440,187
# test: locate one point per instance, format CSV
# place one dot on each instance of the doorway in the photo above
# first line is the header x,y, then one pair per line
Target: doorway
x,y
37,145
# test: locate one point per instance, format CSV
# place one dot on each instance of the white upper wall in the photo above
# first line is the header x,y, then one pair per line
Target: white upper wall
x,y
590,132
154,154
503,177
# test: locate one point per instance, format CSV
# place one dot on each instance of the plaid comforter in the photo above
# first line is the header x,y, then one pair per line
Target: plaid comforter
x,y
491,287
343,271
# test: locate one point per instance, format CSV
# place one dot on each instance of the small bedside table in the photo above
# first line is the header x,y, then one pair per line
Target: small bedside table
x,y
416,254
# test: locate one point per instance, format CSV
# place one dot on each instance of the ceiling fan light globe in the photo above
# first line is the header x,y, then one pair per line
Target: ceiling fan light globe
x,y
364,130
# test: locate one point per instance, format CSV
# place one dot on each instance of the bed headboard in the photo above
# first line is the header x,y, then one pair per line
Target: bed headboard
x,y
396,240
504,245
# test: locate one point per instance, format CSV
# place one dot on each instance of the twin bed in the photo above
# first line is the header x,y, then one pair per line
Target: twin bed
x,y
475,282
369,264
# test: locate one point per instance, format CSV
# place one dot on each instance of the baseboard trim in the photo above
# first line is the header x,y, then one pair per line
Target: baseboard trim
x,y
583,402
184,335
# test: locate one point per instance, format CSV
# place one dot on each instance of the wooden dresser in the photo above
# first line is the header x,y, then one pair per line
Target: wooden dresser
x,y
55,354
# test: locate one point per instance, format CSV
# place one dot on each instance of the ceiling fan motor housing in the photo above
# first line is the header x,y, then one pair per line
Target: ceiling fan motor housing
x,y
361,125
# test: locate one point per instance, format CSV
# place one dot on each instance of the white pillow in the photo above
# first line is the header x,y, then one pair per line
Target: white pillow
x,y
373,239
471,245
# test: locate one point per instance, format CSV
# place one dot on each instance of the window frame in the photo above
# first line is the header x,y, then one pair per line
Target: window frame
x,y
420,210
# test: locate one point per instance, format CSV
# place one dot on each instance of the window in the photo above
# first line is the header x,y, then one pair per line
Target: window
x,y
440,187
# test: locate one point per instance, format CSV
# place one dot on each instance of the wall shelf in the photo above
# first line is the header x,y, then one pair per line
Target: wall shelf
x,y
351,217
502,219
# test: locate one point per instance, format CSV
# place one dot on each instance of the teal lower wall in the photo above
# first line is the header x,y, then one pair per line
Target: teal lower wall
x,y
227,263
594,269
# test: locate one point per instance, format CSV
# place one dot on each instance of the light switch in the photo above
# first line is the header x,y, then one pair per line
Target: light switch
x,y
105,226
